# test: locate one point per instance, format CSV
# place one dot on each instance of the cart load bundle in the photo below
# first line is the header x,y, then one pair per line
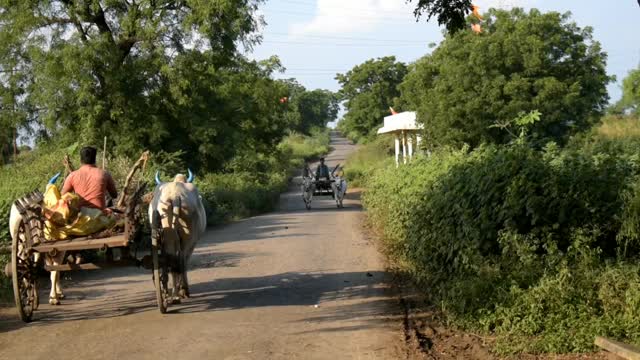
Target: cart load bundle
x,y
65,218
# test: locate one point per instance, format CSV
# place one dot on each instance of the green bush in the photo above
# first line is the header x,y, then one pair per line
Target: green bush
x,y
238,195
368,157
299,148
535,246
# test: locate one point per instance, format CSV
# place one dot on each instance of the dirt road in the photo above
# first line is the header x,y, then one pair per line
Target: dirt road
x,y
294,284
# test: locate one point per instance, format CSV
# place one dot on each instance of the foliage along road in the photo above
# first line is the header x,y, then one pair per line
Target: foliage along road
x,y
294,284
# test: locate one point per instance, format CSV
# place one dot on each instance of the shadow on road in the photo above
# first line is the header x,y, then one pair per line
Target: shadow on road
x,y
286,289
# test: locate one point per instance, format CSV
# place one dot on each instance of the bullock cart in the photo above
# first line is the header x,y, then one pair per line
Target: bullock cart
x,y
29,248
334,187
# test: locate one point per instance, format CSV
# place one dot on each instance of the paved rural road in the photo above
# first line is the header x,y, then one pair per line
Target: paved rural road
x,y
293,284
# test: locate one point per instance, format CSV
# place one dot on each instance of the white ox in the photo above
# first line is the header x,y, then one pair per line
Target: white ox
x,y
180,208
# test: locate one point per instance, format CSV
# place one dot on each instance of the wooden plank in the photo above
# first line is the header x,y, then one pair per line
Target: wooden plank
x,y
82,244
624,351
93,266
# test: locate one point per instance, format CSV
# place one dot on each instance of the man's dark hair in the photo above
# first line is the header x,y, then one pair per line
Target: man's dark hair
x,y
88,155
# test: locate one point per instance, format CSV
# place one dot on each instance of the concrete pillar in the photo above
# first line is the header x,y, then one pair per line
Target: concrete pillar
x,y
397,140
410,140
404,147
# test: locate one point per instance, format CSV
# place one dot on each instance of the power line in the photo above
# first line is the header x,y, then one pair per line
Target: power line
x,y
313,69
300,75
369,19
339,44
396,41
295,2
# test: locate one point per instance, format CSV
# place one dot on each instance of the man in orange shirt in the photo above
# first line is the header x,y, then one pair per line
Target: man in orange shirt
x,y
89,182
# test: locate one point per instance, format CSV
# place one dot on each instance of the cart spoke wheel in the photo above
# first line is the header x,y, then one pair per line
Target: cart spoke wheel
x,y
24,276
160,278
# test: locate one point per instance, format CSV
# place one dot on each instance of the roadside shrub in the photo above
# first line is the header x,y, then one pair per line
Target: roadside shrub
x,y
299,148
233,196
368,157
531,245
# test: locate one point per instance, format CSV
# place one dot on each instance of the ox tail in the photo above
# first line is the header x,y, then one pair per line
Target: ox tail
x,y
176,205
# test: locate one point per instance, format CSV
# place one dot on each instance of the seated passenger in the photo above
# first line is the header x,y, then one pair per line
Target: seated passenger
x,y
322,172
89,182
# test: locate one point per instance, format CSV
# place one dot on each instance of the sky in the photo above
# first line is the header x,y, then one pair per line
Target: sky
x,y
315,39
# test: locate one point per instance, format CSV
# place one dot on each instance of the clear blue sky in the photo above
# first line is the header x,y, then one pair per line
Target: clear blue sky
x,y
315,39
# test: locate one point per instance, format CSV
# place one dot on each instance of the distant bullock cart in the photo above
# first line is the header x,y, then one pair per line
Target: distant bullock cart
x,y
335,187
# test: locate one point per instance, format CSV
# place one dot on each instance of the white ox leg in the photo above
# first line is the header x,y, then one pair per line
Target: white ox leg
x,y
56,289
190,237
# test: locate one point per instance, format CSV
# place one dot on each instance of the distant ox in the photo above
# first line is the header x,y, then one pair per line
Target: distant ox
x,y
180,208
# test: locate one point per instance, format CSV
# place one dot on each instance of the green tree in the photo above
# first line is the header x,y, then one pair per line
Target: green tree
x,y
630,101
309,109
450,13
316,108
369,89
522,62
141,72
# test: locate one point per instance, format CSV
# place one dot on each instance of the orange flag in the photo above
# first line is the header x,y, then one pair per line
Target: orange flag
x,y
476,12
476,28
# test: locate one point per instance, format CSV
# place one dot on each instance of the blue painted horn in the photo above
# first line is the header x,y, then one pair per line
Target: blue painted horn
x,y
54,179
191,176
158,181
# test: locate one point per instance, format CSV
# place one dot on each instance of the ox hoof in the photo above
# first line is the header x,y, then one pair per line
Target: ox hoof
x,y
53,301
183,294
60,296
175,300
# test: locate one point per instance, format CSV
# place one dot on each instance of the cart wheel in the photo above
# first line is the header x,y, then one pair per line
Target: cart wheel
x,y
160,279
25,287
160,271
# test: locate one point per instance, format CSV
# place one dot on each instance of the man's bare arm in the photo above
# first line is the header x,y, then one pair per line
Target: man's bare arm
x,y
68,185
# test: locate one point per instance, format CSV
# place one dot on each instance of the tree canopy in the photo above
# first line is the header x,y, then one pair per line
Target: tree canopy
x,y
630,101
310,109
157,74
450,13
369,89
522,62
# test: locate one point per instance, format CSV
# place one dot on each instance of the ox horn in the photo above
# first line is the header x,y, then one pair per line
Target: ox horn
x,y
54,179
158,181
191,176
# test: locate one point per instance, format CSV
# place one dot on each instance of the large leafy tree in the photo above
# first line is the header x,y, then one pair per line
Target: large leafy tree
x,y
140,72
316,108
630,101
522,62
450,13
306,109
369,89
